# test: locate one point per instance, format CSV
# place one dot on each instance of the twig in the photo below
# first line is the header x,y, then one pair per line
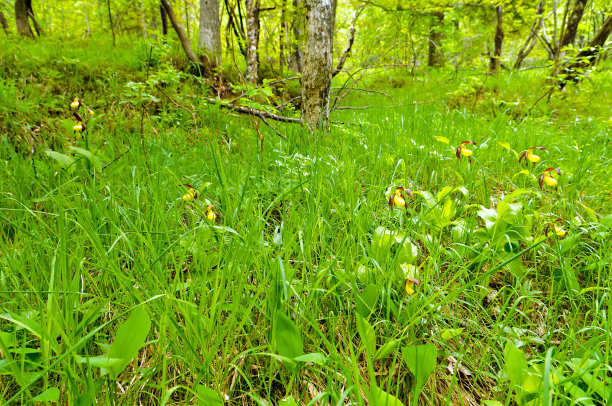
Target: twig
x,y
349,46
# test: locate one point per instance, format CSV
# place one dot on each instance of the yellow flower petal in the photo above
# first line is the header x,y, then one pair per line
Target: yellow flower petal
x,y
398,200
550,181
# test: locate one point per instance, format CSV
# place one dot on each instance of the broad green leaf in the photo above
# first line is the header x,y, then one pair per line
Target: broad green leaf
x,y
50,395
366,302
421,361
442,139
368,337
130,337
207,396
101,361
491,403
382,398
288,401
450,333
515,364
90,156
288,339
64,161
314,357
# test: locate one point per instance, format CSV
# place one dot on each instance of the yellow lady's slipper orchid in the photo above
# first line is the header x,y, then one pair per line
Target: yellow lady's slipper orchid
x,y
398,198
548,179
409,285
530,156
191,193
560,232
210,213
78,127
462,150
90,112
76,103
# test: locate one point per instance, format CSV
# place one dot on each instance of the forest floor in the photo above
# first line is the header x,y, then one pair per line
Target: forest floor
x,y
178,253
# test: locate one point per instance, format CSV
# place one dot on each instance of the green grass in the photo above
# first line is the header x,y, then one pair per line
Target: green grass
x,y
306,256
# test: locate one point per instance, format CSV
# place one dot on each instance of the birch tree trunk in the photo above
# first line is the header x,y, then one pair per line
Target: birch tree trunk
x,y
252,41
209,43
317,70
21,19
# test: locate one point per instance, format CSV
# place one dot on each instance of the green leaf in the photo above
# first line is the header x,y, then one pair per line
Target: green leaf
x,y
288,401
367,334
516,365
382,398
421,361
101,361
450,333
387,349
207,396
288,339
366,302
90,156
64,161
50,395
314,357
442,139
130,337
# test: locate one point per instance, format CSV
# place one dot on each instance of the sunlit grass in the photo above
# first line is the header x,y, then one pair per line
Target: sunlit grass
x,y
304,245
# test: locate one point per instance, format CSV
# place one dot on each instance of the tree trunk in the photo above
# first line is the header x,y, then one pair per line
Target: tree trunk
x,y
182,37
532,39
317,71
21,19
252,41
587,57
164,19
37,26
499,41
209,43
110,19
296,56
569,35
4,24
436,55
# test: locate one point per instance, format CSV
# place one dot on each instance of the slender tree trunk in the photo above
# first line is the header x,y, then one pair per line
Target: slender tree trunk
x,y
283,36
164,19
252,41
182,37
317,71
186,3
532,39
436,55
86,19
110,19
209,43
587,57
349,46
37,26
296,57
4,23
499,41
21,19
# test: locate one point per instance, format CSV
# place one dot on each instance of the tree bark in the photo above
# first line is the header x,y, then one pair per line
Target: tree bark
x,y
499,41
182,37
317,71
37,26
532,39
569,35
296,56
252,41
587,57
164,19
436,55
110,19
21,19
209,43
4,23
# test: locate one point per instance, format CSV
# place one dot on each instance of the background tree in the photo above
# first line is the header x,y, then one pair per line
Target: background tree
x,y
22,18
209,43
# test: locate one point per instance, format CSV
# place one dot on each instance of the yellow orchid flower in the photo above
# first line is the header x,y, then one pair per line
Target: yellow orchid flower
x,y
191,194
76,103
79,127
398,197
462,150
410,285
554,227
548,179
210,213
530,156
90,112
